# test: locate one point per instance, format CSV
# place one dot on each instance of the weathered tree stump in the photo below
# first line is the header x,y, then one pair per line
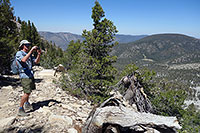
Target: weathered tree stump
x,y
135,92
119,115
115,116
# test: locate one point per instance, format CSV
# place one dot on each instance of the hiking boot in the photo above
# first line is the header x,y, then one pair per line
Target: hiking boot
x,y
28,106
22,113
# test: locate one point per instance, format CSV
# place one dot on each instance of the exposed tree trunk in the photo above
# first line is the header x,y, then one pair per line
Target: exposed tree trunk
x,y
135,93
115,116
118,115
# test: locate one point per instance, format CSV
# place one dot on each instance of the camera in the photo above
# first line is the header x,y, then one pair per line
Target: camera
x,y
38,48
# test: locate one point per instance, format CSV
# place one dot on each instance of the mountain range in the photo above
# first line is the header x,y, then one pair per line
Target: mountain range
x,y
62,39
162,48
173,56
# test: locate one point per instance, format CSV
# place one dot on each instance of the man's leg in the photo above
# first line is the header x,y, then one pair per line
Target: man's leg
x,y
27,105
24,99
28,85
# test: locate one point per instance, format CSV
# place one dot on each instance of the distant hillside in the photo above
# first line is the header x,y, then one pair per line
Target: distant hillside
x,y
128,38
62,39
161,48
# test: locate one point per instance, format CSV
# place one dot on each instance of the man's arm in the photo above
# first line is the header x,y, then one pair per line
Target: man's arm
x,y
37,60
25,58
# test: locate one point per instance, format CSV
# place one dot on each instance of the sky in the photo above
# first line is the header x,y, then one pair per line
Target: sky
x,y
131,17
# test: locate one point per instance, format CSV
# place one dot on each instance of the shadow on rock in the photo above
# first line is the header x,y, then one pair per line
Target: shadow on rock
x,y
37,129
38,80
37,105
13,81
6,81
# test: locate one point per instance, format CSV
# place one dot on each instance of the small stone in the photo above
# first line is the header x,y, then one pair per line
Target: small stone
x,y
65,106
65,120
44,110
68,107
37,93
23,122
72,130
8,87
58,99
82,114
51,104
7,121
82,102
76,105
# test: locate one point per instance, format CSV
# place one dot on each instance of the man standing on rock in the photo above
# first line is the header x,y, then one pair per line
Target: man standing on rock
x,y
26,61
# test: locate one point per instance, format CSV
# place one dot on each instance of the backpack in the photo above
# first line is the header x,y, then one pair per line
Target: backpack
x,y
15,65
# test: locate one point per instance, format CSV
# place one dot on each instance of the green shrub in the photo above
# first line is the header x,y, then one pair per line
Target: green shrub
x,y
190,120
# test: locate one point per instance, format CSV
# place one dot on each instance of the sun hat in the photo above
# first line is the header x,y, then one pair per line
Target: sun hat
x,y
23,42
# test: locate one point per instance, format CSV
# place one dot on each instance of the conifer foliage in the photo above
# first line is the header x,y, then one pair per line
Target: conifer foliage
x,y
97,45
94,71
29,32
8,32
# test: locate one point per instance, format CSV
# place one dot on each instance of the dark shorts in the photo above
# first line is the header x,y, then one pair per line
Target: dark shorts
x,y
28,85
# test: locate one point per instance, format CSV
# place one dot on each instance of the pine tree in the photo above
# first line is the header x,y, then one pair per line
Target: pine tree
x,y
35,37
8,33
94,72
19,20
23,30
72,54
29,32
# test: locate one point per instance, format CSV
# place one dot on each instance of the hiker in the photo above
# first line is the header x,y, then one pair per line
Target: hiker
x,y
26,61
